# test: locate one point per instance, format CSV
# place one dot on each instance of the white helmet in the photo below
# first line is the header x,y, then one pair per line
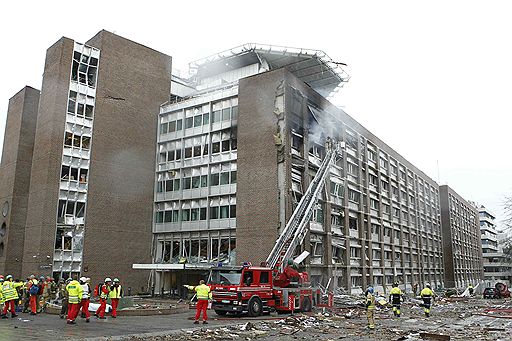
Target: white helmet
x,y
83,279
108,279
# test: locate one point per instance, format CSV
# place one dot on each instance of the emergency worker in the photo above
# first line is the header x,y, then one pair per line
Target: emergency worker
x,y
370,307
75,293
103,294
10,295
33,289
204,294
86,296
63,296
2,301
428,296
115,294
395,298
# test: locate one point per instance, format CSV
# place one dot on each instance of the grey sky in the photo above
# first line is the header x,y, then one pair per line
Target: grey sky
x,y
431,79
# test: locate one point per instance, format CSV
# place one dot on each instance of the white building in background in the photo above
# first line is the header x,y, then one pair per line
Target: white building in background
x,y
496,266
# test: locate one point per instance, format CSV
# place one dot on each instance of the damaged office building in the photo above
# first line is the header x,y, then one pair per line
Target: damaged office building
x,y
85,192
238,145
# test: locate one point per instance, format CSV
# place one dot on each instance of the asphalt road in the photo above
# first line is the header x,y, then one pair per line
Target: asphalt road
x,y
51,327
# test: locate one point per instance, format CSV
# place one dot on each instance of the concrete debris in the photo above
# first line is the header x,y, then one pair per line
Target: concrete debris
x,y
449,320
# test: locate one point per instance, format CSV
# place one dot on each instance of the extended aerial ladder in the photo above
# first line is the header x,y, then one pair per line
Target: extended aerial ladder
x,y
295,230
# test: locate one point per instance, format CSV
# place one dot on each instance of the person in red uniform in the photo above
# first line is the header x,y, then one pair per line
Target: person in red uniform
x,y
33,290
103,294
86,295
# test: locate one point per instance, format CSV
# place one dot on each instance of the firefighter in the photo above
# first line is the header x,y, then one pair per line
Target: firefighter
x,y
103,292
427,295
395,298
63,295
33,289
10,295
75,293
115,294
370,307
471,290
203,296
86,295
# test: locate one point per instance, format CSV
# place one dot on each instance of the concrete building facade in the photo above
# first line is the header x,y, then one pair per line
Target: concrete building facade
x,y
239,145
462,245
15,176
497,267
90,195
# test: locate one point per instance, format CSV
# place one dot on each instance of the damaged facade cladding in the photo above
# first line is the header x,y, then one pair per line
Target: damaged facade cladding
x,y
237,148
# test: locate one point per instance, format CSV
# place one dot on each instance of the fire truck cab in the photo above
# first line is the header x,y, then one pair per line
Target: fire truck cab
x,y
239,289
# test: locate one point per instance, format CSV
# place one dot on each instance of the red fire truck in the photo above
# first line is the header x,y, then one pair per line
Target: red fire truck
x,y
277,285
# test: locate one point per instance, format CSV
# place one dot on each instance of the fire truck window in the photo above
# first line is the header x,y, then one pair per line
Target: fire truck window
x,y
264,278
248,278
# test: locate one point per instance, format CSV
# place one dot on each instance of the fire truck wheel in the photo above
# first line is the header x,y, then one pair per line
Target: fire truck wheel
x,y
221,312
255,307
306,304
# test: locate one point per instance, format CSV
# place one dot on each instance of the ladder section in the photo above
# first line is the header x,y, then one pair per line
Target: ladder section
x,y
295,230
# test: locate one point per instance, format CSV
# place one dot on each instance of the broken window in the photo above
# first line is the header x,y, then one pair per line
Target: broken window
x,y
64,174
72,102
86,142
196,182
83,175
61,211
89,109
73,174
197,151
214,249
70,208
80,208
76,141
352,223
68,139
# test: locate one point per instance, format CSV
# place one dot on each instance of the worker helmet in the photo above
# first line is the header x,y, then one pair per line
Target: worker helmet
x,y
83,279
427,285
2,279
108,279
395,285
116,280
8,277
370,290
41,278
32,277
68,280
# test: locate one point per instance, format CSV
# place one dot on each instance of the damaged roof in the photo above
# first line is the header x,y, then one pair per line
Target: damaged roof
x,y
314,67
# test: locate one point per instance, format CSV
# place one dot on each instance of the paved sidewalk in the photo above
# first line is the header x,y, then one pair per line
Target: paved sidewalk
x,y
51,327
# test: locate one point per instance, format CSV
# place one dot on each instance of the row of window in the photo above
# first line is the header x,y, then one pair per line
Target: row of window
x,y
225,114
199,181
75,140
196,214
70,208
80,105
200,150
74,174
84,69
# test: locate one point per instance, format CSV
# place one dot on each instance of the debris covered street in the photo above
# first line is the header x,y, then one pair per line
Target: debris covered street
x,y
468,319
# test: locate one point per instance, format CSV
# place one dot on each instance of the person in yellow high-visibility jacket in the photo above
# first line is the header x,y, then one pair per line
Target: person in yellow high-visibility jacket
x,y
427,295
204,294
10,295
115,292
395,298
1,296
75,293
370,307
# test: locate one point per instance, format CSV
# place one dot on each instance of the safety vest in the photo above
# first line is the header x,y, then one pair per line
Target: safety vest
x,y
86,291
115,293
426,292
1,294
395,295
370,301
75,292
203,292
9,290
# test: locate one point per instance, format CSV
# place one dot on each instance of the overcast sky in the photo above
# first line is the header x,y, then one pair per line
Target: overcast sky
x,y
433,79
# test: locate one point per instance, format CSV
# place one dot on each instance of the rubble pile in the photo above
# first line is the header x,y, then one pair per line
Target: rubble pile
x,y
469,319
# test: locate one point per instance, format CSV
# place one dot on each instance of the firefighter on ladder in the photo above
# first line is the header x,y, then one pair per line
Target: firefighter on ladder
x,y
395,298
